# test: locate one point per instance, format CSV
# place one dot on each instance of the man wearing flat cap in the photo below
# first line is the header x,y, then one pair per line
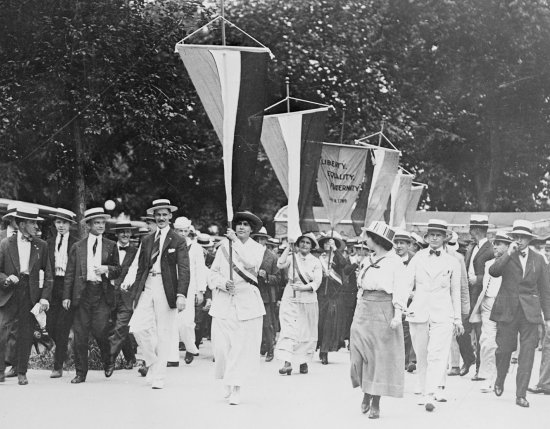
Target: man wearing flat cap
x,y
93,263
25,281
523,295
162,282
59,320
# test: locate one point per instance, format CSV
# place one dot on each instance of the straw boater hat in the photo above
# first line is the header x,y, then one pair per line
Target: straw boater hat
x,y
143,230
503,237
204,240
148,217
402,235
479,221
96,212
27,213
382,230
310,236
351,241
66,215
254,221
161,203
182,223
122,224
261,233
11,209
438,225
522,227
335,236
273,241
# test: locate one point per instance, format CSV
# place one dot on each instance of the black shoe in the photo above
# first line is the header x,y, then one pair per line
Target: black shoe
x,y
269,356
522,402
465,369
78,379
22,380
411,367
538,390
56,373
188,358
499,389
477,378
12,372
173,364
374,413
143,370
303,368
324,358
181,346
109,368
365,405
287,369
2,377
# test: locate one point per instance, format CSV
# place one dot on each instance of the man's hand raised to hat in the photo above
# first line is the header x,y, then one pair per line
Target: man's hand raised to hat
x,y
513,248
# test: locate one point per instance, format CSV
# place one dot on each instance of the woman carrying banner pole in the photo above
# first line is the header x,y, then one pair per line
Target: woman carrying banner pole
x,y
376,339
299,313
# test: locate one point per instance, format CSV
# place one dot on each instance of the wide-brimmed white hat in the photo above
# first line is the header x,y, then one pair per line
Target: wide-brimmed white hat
x,y
161,203
182,223
95,213
64,214
382,230
261,233
10,212
522,227
310,236
27,213
254,221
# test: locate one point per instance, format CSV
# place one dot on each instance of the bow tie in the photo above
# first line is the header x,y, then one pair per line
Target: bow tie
x,y
25,238
435,252
122,249
523,254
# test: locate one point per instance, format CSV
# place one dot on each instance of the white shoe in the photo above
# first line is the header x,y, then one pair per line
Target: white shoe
x,y
227,391
440,395
235,398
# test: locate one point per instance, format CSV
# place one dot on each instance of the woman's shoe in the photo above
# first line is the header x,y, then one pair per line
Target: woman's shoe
x,y
324,357
365,405
374,413
303,368
287,369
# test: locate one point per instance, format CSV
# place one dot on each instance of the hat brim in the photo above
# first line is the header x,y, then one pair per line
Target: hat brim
x,y
314,242
254,221
260,234
66,219
96,216
522,233
378,235
339,243
121,228
8,216
172,209
37,218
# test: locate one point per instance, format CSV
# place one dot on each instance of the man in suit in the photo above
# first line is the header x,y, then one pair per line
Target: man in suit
x,y
523,294
25,281
93,263
161,287
482,313
435,312
124,306
268,283
477,255
59,320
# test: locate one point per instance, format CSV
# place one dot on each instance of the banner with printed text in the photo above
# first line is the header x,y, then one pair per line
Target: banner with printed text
x,y
339,179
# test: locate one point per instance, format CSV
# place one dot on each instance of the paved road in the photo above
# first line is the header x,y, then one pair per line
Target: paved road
x,y
322,399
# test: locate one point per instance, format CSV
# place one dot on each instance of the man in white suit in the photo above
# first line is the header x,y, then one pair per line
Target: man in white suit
x,y
435,312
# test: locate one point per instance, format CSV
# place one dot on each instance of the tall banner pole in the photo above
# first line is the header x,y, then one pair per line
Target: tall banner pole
x,y
329,263
223,22
293,268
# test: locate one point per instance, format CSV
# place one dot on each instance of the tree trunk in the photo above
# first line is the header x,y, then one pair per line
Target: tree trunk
x,y
80,188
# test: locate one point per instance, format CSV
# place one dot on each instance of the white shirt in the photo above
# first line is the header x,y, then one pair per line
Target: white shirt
x,y
24,249
492,284
94,261
471,271
163,232
523,259
197,267
121,255
61,254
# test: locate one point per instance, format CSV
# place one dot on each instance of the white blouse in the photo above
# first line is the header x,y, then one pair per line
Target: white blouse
x,y
311,270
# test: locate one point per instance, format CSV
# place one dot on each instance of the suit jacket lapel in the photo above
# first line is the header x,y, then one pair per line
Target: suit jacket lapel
x,y
104,252
530,263
34,256
14,252
167,241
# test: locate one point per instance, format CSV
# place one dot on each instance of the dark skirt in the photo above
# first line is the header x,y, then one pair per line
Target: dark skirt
x,y
331,310
376,351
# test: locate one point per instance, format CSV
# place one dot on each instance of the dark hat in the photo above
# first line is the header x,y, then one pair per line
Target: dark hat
x,y
254,221
161,203
94,213
27,213
334,236
122,224
311,237
382,230
65,215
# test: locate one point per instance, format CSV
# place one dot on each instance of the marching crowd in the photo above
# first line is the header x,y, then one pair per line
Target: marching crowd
x,y
398,301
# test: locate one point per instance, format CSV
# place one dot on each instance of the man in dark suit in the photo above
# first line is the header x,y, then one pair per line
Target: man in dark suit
x,y
59,320
161,286
124,306
268,283
93,263
523,294
477,255
25,281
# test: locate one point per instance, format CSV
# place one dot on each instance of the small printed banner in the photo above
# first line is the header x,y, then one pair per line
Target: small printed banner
x,y
412,203
339,180
400,194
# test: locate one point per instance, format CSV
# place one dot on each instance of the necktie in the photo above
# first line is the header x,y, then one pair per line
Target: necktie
x,y
94,248
523,254
156,250
122,249
435,252
60,242
26,238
